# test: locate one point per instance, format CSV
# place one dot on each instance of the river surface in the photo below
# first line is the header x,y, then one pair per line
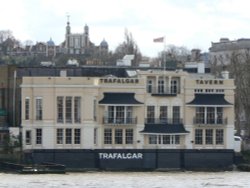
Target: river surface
x,y
232,179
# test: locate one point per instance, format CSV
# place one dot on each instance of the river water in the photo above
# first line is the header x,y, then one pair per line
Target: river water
x,y
232,179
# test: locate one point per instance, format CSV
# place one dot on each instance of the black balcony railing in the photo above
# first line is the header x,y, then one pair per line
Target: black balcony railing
x,y
163,121
125,121
213,121
162,91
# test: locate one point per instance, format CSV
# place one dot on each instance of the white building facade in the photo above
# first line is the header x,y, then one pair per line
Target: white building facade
x,y
168,110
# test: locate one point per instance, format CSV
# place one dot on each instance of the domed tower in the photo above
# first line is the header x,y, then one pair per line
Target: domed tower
x,y
50,48
50,42
104,45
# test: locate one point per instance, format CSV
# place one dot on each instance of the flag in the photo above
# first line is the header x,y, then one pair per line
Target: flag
x,y
160,39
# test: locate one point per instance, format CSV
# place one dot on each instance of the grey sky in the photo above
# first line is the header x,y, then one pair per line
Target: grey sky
x,y
190,23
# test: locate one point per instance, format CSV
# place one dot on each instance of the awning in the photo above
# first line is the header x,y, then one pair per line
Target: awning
x,y
176,129
209,100
119,99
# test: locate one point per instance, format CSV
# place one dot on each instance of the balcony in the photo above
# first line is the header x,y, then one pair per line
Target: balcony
x,y
168,121
202,121
162,92
119,121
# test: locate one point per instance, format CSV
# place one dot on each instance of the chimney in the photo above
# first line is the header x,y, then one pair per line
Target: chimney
x,y
225,74
195,54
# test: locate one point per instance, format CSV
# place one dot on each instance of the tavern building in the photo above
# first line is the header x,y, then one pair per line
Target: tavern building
x,y
153,119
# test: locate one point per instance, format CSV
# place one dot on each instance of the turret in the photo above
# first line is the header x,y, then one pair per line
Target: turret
x,y
68,27
86,30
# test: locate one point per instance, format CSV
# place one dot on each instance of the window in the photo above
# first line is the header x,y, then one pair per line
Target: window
x,y
77,136
152,139
27,108
166,139
160,86
95,136
68,136
28,137
210,115
198,136
107,136
60,117
120,114
176,114
39,109
150,114
200,115
129,136
71,43
59,136
94,110
159,139
111,114
77,109
219,137
177,139
38,136
77,43
129,115
118,136
163,114
149,86
174,87
219,115
212,136
209,136
68,109
121,136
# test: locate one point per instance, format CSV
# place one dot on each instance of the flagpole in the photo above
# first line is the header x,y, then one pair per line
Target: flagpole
x,y
164,50
164,63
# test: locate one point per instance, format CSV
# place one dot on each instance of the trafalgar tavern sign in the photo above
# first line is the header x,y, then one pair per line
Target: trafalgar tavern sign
x,y
126,156
120,80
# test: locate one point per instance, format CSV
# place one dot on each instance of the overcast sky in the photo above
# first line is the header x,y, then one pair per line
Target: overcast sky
x,y
189,23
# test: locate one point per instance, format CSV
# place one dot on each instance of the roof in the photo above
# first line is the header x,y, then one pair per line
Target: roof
x,y
209,99
119,98
104,43
164,129
50,42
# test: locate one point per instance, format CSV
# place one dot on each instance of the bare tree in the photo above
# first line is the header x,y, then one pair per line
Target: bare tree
x,y
129,46
28,43
5,34
240,69
172,53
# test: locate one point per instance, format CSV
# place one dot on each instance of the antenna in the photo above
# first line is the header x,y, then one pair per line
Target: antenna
x,y
68,16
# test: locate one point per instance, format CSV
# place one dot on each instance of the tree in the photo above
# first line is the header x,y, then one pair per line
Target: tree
x,y
5,34
7,41
172,53
129,46
178,53
28,43
240,67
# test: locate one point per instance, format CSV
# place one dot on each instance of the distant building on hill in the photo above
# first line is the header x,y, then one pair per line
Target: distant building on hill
x,y
222,51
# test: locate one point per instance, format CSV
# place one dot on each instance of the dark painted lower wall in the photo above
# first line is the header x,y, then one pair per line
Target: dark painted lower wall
x,y
136,159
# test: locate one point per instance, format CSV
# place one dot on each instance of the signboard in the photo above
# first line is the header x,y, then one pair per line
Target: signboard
x,y
125,156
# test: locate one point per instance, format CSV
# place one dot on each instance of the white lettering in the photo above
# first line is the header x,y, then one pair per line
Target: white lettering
x,y
127,156
209,82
